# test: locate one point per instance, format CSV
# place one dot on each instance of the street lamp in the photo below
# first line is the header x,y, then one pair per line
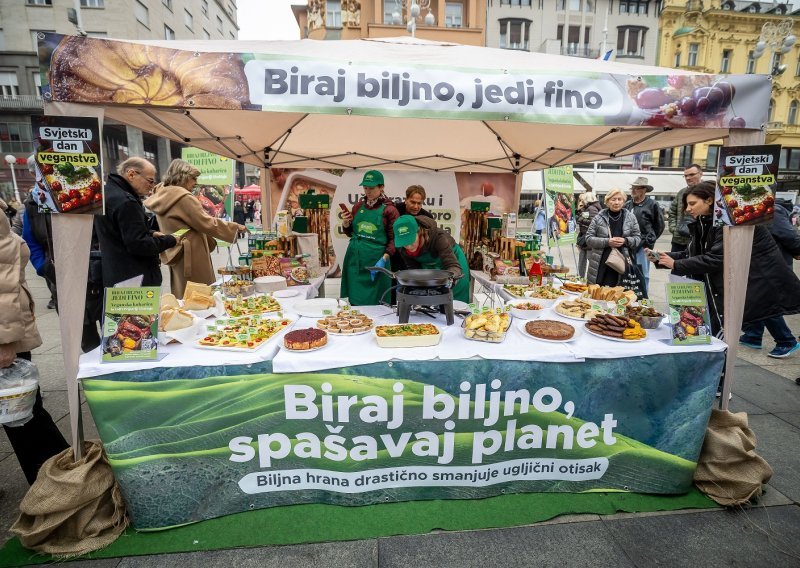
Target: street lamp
x,y
11,160
778,37
416,8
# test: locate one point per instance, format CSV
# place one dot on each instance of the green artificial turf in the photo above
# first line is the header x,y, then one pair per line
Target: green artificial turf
x,y
300,524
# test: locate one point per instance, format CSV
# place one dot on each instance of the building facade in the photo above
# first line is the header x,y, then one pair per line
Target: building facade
x,y
457,21
22,20
582,28
719,37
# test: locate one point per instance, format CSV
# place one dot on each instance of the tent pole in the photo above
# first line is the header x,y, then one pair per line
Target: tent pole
x,y
266,198
737,247
72,239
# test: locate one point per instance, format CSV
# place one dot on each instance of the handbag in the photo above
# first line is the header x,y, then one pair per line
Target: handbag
x,y
616,261
632,278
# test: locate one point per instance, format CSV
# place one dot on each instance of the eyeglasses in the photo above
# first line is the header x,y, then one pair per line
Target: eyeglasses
x,y
151,181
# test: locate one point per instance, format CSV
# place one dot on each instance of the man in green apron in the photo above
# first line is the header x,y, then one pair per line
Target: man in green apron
x,y
424,245
369,226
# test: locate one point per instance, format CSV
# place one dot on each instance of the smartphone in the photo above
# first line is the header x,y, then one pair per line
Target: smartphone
x,y
653,255
344,208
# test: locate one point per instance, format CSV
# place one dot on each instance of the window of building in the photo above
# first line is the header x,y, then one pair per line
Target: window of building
x,y
188,19
665,158
206,35
204,7
633,7
796,70
776,61
9,85
333,14
751,63
711,157
694,48
35,38
142,13
168,4
39,2
515,2
561,5
37,83
770,110
630,42
169,33
388,12
575,5
453,14
791,118
753,9
677,61
790,159
219,24
686,157
725,65
92,3
515,33
15,137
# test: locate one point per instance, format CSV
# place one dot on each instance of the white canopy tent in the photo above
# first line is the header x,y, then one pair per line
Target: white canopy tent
x,y
400,103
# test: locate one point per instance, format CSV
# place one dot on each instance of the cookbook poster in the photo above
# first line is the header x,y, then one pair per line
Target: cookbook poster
x,y
214,186
130,324
240,437
688,313
69,171
559,204
747,180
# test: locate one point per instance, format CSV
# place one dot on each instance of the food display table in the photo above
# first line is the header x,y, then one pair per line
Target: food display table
x,y
195,436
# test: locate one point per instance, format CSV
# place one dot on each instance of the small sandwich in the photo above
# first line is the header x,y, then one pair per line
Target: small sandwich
x,y
198,301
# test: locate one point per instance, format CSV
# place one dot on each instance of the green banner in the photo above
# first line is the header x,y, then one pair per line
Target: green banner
x,y
241,437
561,225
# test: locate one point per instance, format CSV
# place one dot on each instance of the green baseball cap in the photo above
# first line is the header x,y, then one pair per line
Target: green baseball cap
x,y
405,230
372,178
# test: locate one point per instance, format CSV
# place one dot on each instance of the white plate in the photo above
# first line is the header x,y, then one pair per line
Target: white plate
x,y
285,293
284,348
314,308
576,335
185,335
576,318
615,338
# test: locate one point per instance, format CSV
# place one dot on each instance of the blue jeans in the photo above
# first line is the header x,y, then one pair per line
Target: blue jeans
x,y
644,264
780,332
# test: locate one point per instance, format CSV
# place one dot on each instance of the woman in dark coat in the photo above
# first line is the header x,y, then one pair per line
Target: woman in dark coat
x,y
615,227
772,288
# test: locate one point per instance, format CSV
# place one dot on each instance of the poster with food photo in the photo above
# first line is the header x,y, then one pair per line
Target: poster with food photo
x,y
559,204
213,188
747,179
69,172
130,324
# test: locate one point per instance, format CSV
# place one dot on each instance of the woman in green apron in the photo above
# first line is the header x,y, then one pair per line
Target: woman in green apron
x,y
369,227
423,245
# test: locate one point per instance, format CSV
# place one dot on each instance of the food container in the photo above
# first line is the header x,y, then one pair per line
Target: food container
x,y
419,335
544,302
524,313
489,327
234,288
268,284
648,322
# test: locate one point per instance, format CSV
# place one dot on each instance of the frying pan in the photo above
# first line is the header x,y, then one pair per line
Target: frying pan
x,y
419,277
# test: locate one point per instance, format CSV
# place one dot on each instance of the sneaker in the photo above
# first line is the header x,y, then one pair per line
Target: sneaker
x,y
743,340
51,305
782,351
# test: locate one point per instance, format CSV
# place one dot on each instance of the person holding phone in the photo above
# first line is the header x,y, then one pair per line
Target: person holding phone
x,y
369,226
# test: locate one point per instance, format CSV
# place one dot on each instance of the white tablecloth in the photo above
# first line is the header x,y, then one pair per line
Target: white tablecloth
x,y
349,350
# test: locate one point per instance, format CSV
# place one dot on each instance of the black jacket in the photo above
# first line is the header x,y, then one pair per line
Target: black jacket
x,y
772,288
784,232
401,208
651,220
128,246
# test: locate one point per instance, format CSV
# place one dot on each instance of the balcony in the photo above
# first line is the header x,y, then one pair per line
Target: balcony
x,y
775,127
21,102
580,51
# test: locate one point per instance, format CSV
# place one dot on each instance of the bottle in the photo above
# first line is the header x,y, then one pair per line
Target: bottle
x,y
535,273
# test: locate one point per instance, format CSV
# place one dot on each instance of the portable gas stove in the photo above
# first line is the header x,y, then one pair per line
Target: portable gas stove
x,y
421,297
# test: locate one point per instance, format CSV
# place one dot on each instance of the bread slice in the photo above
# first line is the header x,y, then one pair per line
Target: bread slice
x,y
177,319
169,301
192,287
198,301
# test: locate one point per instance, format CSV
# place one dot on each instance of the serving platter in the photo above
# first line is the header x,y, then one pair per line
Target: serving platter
x,y
618,339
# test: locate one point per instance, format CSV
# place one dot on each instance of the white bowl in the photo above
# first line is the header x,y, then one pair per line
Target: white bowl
x,y
544,302
525,314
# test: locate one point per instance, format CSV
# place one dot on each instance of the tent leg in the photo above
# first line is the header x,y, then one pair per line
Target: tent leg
x,y
72,239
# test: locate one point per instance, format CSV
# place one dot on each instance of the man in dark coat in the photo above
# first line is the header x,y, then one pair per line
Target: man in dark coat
x,y
651,222
129,247
788,240
678,218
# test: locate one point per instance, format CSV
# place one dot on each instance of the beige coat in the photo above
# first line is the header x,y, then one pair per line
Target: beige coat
x,y
176,208
17,320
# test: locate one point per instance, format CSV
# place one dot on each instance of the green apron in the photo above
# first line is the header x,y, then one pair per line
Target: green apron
x,y
366,248
461,288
